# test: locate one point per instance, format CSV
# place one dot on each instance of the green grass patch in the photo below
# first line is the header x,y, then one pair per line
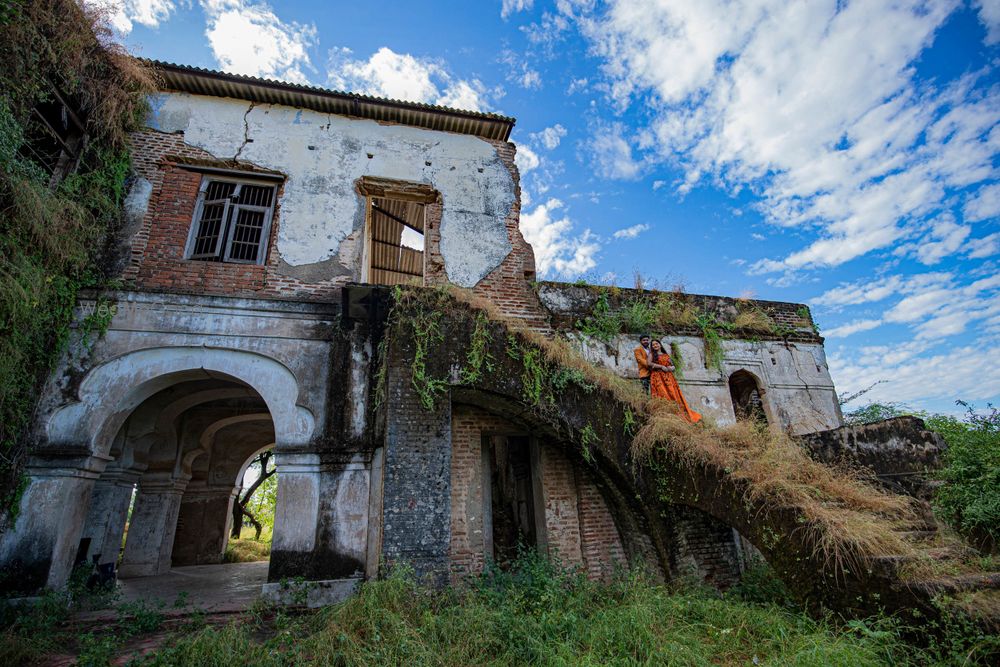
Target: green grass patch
x,y
539,614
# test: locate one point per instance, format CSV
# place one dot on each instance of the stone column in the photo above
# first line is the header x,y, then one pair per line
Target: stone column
x,y
203,524
151,530
105,523
416,508
40,548
296,515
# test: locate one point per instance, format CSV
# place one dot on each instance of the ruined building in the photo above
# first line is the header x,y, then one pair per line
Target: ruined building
x,y
262,218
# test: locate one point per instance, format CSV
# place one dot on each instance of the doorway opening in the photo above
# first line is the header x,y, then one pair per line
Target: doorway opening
x,y
512,523
253,510
748,402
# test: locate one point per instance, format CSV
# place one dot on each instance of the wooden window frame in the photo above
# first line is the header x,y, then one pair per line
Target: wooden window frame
x,y
231,210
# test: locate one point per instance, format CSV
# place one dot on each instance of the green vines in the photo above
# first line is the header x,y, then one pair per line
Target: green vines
x,y
678,359
479,356
426,333
588,437
710,331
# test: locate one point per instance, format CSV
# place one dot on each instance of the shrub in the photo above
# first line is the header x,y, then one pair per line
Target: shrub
x,y
969,500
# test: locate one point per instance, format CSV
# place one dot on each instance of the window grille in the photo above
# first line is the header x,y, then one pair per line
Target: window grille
x,y
232,221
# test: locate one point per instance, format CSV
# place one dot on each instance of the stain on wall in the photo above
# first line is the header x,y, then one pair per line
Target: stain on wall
x,y
324,154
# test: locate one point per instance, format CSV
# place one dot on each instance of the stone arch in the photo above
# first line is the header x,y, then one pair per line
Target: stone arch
x,y
111,391
748,396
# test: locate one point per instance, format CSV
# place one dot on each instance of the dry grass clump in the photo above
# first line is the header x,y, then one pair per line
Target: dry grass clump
x,y
849,520
672,309
754,320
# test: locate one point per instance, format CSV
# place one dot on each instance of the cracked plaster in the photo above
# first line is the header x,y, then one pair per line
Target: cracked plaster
x,y
323,155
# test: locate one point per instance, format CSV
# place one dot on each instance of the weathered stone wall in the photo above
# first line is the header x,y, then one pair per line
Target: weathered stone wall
x,y
901,452
317,234
791,369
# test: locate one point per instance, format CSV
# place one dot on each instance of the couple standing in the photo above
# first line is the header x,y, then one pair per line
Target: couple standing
x,y
656,372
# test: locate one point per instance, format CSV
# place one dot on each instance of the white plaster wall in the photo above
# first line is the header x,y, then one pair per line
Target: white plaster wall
x,y
324,154
798,389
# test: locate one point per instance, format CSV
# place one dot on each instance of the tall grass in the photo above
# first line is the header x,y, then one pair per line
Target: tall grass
x,y
537,613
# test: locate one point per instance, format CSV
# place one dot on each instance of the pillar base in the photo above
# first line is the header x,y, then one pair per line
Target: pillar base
x,y
310,594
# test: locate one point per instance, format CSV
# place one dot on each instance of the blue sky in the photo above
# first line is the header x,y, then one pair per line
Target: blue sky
x,y
834,152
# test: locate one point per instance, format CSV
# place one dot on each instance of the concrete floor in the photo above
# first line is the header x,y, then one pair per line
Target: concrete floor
x,y
212,588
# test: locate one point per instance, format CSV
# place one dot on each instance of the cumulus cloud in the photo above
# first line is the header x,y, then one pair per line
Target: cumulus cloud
x,y
984,205
560,250
918,372
526,160
247,37
989,16
404,77
519,71
124,14
851,328
550,136
815,105
931,305
514,6
986,246
612,153
631,232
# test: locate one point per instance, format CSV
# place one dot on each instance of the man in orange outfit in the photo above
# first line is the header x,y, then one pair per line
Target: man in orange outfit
x,y
642,360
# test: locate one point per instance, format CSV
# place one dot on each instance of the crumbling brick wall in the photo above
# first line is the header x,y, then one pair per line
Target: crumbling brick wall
x,y
579,528
157,250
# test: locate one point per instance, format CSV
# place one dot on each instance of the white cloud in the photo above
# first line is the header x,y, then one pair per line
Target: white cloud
x,y
986,246
612,154
404,77
989,16
559,249
519,71
985,205
815,105
919,373
932,305
944,238
514,6
526,160
247,37
124,14
550,136
631,232
577,85
851,328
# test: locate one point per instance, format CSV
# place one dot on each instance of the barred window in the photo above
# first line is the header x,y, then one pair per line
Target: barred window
x,y
232,221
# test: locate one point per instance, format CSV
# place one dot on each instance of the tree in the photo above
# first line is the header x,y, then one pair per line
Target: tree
x,y
241,506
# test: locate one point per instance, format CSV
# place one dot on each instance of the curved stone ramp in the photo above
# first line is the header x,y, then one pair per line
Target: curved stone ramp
x,y
593,416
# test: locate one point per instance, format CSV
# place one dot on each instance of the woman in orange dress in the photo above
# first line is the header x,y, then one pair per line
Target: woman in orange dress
x,y
663,384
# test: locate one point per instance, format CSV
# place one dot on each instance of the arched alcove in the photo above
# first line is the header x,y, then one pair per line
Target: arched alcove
x,y
748,397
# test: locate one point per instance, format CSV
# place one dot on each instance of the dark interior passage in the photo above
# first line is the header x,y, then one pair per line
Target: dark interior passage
x,y
512,500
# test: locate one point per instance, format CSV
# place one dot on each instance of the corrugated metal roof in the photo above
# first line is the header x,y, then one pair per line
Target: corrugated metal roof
x,y
267,91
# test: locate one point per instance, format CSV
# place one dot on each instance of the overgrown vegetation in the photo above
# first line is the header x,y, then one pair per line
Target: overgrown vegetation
x,y
535,612
53,230
670,311
848,521
969,499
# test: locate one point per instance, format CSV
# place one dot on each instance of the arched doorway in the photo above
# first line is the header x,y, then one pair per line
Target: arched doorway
x,y
748,397
172,424
184,447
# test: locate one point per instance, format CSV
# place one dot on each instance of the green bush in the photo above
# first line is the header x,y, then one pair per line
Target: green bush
x,y
969,499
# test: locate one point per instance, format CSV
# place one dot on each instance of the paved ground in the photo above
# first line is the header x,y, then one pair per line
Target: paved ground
x,y
212,588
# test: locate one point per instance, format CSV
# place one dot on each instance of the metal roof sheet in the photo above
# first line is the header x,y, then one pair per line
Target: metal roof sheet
x,y
201,81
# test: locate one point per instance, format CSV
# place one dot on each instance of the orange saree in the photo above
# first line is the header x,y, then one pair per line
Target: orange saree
x,y
663,384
